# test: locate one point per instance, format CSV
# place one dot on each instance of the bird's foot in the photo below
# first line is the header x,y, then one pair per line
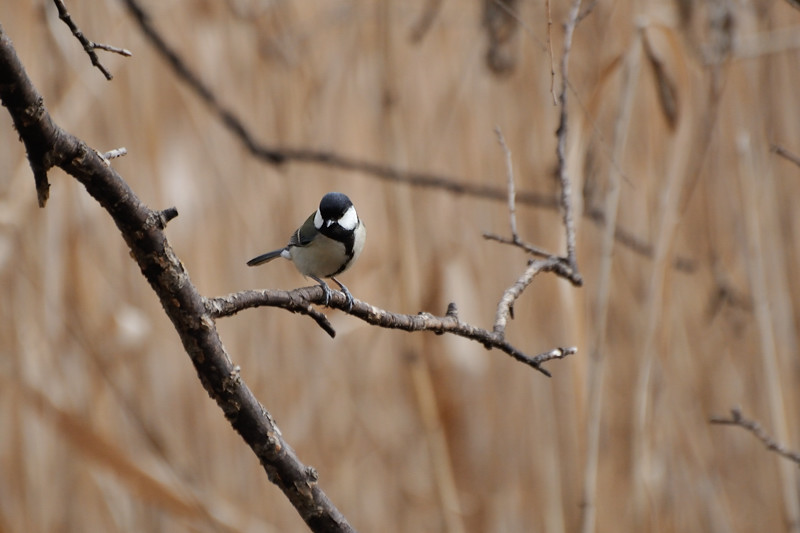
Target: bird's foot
x,y
325,290
348,297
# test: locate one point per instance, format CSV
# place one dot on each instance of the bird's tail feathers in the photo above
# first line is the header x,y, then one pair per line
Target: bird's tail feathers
x,y
265,258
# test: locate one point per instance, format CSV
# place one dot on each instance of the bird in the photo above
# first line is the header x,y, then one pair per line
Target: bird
x,y
327,244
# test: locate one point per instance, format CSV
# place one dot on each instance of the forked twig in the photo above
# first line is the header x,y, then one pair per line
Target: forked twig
x,y
549,263
89,46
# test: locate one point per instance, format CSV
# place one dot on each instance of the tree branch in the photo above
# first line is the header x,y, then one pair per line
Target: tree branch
x,y
561,134
88,46
192,315
550,263
737,419
300,300
515,240
297,301
142,229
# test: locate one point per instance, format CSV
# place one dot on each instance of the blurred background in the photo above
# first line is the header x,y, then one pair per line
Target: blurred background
x,y
674,108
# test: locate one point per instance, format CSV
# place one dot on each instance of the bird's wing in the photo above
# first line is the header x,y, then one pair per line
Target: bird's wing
x,y
305,234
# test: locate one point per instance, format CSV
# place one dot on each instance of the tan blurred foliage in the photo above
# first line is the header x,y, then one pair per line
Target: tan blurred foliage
x,y
104,425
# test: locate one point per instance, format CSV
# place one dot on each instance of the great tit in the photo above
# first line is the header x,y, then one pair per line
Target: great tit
x,y
327,244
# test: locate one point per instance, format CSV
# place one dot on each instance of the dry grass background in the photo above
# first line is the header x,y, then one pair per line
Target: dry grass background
x,y
105,427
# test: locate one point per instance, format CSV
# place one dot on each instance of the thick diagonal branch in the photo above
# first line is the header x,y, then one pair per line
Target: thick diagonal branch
x,y
143,230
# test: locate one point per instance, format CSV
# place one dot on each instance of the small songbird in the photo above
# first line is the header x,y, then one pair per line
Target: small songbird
x,y
327,244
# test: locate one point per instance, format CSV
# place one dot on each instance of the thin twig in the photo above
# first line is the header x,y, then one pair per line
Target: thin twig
x,y
88,46
786,154
550,50
531,249
515,239
512,195
737,419
561,133
506,304
114,49
505,308
117,152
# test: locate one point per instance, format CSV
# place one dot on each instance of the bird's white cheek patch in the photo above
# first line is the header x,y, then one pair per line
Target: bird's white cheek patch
x,y
350,219
318,220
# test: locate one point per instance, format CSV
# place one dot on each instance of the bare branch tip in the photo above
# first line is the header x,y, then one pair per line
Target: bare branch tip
x,y
322,321
556,353
168,214
113,49
452,311
115,153
42,186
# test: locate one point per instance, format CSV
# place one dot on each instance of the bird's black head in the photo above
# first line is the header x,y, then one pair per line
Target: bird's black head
x,y
334,205
336,217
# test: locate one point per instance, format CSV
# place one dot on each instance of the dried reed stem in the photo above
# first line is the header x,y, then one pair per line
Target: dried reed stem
x,y
597,359
667,219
